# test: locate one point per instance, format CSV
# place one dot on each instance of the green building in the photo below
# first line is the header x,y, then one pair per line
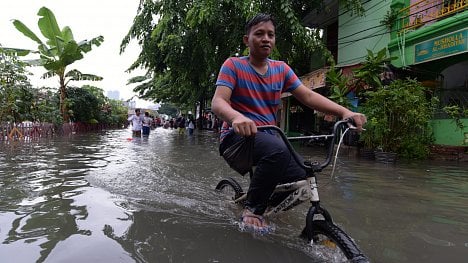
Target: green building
x,y
429,39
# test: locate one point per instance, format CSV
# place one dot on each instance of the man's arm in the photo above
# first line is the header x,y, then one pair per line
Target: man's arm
x,y
221,106
316,101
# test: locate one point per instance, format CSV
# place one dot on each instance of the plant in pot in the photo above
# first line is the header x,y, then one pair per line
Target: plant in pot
x,y
339,87
339,93
367,77
398,120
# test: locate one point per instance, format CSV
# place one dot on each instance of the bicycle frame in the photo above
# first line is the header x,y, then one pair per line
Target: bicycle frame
x,y
319,225
306,189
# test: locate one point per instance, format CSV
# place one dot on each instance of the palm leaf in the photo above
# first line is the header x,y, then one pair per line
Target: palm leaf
x,y
70,54
26,31
49,27
34,62
67,34
86,45
17,51
77,75
49,74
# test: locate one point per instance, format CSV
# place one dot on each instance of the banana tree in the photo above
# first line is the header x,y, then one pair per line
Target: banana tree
x,y
58,52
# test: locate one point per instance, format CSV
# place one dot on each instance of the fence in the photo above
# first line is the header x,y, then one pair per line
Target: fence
x,y
422,12
27,131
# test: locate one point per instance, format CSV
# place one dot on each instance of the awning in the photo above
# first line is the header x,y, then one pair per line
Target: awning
x,y
313,80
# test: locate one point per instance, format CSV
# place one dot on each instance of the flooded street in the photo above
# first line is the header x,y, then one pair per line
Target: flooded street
x,y
108,198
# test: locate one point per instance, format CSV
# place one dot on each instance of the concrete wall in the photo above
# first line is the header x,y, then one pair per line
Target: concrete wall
x,y
356,33
446,133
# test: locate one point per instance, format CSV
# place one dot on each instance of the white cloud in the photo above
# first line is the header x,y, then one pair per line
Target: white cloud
x,y
87,19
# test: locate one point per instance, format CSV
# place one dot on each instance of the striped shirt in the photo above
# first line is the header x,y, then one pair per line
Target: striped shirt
x,y
254,95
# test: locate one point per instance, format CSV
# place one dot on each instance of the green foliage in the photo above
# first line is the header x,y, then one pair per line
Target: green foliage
x,y
15,89
83,104
338,87
185,47
398,114
368,75
389,19
19,101
58,52
168,109
88,104
398,119
117,113
457,113
46,106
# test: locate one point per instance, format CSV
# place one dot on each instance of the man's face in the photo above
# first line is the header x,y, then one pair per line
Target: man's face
x,y
261,39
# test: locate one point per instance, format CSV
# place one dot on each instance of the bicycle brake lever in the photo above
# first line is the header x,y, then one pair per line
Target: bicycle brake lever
x,y
352,127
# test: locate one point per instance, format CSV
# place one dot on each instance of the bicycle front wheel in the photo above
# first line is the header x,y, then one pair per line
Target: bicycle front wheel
x,y
230,189
332,237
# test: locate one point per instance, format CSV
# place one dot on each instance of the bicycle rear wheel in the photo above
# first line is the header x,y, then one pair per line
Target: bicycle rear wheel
x,y
230,189
332,237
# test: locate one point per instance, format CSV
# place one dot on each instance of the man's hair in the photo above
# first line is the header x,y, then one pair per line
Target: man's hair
x,y
261,17
137,110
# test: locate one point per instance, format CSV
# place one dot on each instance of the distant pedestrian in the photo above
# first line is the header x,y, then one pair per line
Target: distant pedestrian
x,y
191,125
158,122
181,124
147,122
137,123
216,124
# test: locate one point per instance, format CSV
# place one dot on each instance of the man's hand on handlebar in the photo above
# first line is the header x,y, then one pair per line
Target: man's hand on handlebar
x,y
359,120
244,126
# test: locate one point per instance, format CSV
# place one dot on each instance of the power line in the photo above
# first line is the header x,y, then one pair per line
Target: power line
x,y
391,31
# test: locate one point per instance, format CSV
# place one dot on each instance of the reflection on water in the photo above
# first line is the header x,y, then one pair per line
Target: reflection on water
x,y
110,198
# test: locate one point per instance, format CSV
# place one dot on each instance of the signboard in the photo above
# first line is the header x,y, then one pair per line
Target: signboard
x,y
315,79
444,46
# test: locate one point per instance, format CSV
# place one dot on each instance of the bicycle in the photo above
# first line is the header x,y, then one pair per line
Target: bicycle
x,y
319,228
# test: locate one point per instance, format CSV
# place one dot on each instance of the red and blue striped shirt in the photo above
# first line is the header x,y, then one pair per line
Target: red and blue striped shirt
x,y
254,95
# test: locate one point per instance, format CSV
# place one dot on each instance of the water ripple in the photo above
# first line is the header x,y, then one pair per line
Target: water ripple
x,y
150,198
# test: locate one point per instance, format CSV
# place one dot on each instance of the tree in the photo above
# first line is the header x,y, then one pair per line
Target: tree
x,y
46,106
89,105
19,101
168,109
84,105
118,113
185,47
58,52
15,90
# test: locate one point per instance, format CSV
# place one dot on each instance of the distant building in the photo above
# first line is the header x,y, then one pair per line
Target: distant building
x,y
129,104
113,94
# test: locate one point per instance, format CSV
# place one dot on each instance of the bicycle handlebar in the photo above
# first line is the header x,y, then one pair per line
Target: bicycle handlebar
x,y
316,167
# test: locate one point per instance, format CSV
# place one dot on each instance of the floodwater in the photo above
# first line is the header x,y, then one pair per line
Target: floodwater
x,y
108,198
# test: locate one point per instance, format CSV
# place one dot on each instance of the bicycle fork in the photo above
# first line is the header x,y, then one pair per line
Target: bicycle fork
x,y
316,211
314,195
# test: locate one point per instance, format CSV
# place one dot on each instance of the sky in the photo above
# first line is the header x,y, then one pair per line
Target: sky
x,y
87,19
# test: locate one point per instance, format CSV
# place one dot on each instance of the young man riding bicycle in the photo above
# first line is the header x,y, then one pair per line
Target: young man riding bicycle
x,y
248,95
